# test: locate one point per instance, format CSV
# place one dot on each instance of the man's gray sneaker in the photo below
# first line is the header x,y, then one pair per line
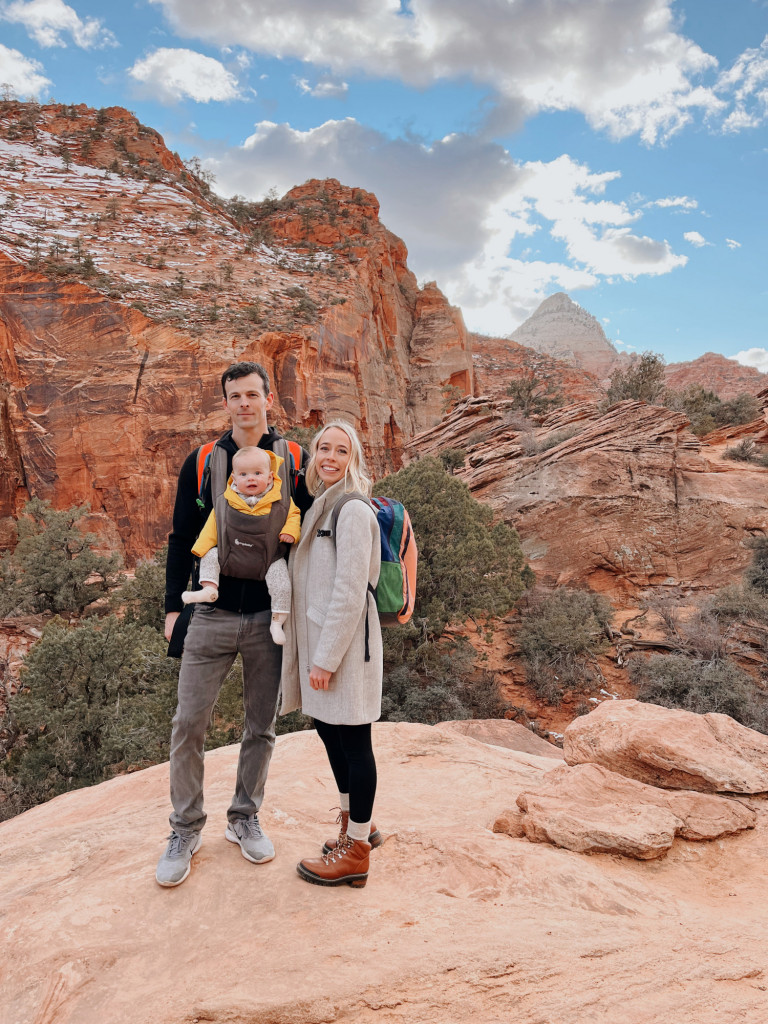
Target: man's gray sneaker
x,y
254,845
173,867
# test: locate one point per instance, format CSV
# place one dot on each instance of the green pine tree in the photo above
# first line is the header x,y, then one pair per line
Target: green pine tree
x,y
54,567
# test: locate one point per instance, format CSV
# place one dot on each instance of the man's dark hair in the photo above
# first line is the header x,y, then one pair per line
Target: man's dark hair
x,y
238,370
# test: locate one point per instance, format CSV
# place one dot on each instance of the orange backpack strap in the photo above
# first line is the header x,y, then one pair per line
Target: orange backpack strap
x,y
297,454
203,461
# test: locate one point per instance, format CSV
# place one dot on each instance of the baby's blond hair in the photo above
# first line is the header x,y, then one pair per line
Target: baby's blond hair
x,y
252,449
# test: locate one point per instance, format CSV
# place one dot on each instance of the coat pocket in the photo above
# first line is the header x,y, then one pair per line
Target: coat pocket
x,y
315,615
315,620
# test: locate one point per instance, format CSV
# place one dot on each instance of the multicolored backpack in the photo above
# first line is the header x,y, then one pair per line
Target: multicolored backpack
x,y
395,592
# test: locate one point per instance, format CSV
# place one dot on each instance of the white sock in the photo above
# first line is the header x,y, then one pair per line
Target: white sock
x,y
356,830
344,801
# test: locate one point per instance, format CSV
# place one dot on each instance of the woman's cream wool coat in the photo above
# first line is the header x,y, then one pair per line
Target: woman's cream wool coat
x,y
326,626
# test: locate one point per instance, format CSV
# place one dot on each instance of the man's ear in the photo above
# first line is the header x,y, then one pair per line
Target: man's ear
x,y
270,400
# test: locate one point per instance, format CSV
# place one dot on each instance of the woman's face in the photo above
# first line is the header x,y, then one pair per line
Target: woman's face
x,y
333,455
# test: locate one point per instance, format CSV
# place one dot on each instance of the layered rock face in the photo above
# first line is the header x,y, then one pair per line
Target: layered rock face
x,y
126,288
714,372
561,328
619,502
499,361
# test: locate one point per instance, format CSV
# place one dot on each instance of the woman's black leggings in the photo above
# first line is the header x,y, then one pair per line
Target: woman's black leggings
x,y
353,765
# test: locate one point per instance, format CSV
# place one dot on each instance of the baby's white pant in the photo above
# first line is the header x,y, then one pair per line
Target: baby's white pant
x,y
277,579
279,587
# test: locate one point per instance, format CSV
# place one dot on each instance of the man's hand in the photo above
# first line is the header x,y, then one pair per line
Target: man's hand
x,y
170,622
319,678
286,538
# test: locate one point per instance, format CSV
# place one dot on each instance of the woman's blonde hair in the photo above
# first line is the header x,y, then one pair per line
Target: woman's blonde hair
x,y
356,476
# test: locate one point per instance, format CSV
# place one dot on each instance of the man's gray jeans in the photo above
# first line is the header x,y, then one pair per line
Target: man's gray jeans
x,y
213,640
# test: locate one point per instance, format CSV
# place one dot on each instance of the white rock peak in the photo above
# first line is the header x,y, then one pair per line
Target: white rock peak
x,y
561,328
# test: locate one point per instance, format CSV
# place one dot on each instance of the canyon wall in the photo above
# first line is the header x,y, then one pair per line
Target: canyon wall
x,y
127,286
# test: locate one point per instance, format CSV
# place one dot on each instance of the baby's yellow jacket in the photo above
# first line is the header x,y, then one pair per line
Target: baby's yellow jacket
x,y
209,535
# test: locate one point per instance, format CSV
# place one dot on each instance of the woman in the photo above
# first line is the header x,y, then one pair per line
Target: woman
x,y
332,664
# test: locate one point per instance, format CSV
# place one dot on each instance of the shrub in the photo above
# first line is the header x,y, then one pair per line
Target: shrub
x,y
740,602
453,459
744,451
53,567
142,598
467,565
559,635
557,438
707,411
756,575
95,699
533,392
642,381
675,681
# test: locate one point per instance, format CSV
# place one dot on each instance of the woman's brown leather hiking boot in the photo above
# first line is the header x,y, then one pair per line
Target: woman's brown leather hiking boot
x,y
346,864
374,838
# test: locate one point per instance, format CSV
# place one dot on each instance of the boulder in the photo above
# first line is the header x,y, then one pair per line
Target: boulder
x,y
672,748
589,809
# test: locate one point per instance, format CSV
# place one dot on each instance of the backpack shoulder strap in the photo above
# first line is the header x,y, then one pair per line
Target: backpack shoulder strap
x,y
203,461
211,465
292,455
218,469
349,496
354,496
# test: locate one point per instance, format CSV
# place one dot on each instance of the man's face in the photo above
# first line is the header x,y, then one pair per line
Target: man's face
x,y
246,402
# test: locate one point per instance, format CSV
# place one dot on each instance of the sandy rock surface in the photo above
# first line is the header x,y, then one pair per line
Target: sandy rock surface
x,y
667,747
455,923
589,809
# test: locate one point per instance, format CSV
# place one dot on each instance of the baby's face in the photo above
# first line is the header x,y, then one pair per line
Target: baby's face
x,y
252,475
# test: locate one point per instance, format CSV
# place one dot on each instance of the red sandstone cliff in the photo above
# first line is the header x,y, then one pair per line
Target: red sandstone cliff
x,y
714,372
126,286
620,501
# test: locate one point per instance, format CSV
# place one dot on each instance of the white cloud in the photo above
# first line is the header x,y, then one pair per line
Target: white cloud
x,y
732,243
681,202
48,21
21,73
757,357
623,64
464,207
171,75
746,82
325,88
695,238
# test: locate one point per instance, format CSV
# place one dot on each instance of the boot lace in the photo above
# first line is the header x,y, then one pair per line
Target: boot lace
x,y
343,844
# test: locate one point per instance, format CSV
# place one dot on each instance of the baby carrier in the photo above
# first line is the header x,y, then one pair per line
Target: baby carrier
x,y
249,544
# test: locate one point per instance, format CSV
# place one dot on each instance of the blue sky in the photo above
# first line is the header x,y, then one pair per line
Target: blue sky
x,y
613,149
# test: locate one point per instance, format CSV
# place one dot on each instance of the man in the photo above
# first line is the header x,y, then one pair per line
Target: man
x,y
238,622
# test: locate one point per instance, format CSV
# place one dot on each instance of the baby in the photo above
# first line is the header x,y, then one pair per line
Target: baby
x,y
243,531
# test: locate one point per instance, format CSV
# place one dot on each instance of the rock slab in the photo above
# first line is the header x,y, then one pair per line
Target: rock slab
x,y
589,809
455,924
670,748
